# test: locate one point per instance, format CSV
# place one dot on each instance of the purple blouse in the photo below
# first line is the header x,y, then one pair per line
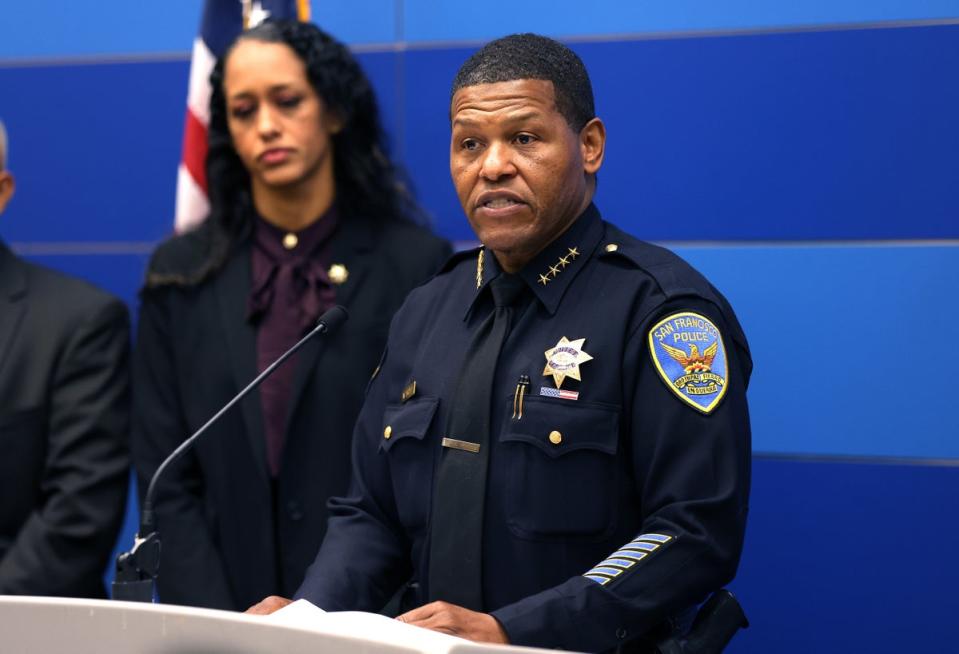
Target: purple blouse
x,y
290,290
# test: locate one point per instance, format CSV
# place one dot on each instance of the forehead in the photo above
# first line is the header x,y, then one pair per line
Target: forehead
x,y
253,62
503,100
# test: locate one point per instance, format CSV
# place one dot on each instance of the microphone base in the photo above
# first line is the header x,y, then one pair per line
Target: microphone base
x,y
136,571
134,591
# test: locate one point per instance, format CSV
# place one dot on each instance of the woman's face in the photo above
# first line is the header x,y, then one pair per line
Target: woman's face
x,y
280,127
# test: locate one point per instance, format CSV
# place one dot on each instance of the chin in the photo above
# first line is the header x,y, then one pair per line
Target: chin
x,y
281,179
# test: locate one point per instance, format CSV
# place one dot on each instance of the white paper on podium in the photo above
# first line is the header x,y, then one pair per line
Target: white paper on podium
x,y
379,630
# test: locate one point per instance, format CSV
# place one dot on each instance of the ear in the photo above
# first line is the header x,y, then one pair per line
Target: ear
x,y
592,145
7,186
334,123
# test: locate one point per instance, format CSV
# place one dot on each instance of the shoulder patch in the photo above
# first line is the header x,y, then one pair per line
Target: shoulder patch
x,y
690,356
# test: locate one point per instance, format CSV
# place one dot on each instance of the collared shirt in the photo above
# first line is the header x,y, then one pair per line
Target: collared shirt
x,y
598,458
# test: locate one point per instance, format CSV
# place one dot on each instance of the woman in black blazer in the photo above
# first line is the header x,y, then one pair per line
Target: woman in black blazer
x,y
306,212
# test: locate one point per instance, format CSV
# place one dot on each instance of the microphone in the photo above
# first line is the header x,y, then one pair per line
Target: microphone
x,y
137,570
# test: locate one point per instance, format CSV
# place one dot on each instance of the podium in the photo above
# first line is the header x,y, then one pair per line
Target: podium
x,y
31,625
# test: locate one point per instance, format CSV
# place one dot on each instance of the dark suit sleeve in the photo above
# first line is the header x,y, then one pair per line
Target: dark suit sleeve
x,y
65,544
192,574
691,471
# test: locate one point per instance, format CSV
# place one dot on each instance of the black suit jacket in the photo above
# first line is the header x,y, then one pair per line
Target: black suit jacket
x,y
64,409
230,534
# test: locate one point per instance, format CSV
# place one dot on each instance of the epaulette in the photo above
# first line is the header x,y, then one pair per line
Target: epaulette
x,y
674,276
696,372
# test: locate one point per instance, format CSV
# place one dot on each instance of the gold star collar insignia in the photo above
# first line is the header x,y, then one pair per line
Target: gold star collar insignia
x,y
560,265
564,360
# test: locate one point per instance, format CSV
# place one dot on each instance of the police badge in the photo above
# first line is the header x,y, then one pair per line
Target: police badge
x,y
689,354
563,360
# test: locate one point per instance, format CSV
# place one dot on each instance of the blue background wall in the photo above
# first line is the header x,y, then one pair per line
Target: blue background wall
x,y
802,155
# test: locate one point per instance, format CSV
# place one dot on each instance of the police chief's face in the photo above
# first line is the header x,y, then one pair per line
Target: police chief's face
x,y
278,123
521,173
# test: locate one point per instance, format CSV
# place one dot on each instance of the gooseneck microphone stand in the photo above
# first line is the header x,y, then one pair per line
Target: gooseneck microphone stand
x,y
137,570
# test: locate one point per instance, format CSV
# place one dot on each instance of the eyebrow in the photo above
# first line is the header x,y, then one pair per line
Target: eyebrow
x,y
275,87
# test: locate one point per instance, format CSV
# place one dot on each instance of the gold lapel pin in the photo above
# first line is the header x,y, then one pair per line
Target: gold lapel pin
x,y
338,273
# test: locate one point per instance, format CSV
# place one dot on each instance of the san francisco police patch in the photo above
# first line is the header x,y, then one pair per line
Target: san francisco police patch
x,y
689,354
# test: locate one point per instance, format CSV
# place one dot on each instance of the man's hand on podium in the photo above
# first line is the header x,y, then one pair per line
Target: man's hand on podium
x,y
268,605
438,616
457,621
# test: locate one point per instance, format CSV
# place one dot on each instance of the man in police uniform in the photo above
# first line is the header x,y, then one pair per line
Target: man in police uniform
x,y
564,463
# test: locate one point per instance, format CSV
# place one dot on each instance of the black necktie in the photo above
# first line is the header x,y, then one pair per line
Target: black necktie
x,y
456,535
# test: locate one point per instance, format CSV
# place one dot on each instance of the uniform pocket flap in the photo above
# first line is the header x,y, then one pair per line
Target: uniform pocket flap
x,y
560,426
409,420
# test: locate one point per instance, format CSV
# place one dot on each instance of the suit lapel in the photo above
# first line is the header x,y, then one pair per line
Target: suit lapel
x,y
350,247
13,288
233,288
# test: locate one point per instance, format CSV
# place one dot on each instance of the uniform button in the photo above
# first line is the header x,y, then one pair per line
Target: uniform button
x,y
290,241
612,247
388,432
293,510
555,437
621,633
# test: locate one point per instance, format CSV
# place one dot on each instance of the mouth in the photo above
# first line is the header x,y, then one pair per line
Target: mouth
x,y
496,201
274,156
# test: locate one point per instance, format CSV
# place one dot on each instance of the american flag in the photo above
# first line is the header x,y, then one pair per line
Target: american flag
x,y
546,391
222,21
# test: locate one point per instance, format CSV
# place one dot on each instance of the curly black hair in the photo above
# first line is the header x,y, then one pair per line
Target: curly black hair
x,y
531,56
368,184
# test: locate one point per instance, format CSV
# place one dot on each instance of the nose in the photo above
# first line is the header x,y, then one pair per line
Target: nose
x,y
266,123
497,162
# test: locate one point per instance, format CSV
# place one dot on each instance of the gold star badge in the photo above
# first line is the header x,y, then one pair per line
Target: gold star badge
x,y
563,360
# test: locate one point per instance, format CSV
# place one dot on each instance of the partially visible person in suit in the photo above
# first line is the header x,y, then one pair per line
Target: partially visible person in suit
x,y
64,414
307,211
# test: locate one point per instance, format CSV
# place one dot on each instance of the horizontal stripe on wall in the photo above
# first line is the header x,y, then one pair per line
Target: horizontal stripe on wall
x,y
854,347
57,29
833,135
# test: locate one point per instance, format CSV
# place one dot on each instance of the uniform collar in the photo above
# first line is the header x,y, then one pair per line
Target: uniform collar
x,y
550,272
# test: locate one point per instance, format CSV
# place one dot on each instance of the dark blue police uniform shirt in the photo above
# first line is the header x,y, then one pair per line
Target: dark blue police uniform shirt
x,y
609,508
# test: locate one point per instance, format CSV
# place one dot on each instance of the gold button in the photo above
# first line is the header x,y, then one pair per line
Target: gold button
x,y
388,432
338,273
290,241
612,247
555,437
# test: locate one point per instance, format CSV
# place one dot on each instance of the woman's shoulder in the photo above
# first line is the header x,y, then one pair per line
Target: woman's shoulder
x,y
416,246
182,253
409,251
412,235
